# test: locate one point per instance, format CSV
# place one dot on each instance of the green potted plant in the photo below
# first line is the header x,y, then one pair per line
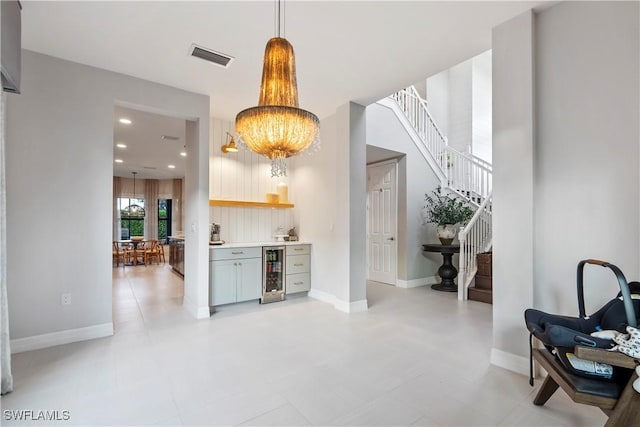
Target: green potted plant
x,y
447,212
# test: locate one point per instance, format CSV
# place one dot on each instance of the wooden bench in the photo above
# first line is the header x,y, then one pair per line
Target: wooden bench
x,y
619,401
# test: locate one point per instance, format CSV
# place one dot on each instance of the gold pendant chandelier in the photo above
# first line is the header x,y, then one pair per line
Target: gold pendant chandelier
x,y
277,128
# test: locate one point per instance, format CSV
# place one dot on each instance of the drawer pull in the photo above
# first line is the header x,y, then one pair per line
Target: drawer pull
x,y
237,253
298,283
298,249
298,265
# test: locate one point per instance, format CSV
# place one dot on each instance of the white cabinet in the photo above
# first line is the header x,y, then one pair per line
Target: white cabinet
x,y
235,274
222,276
298,268
249,279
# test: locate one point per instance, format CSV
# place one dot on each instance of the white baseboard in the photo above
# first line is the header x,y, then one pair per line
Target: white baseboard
x,y
321,296
415,283
195,311
67,336
510,361
347,307
351,307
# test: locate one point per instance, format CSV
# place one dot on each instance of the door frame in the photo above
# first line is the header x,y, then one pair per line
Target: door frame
x,y
395,225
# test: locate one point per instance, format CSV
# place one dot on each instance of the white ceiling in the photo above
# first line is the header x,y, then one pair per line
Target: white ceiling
x,y
146,152
345,51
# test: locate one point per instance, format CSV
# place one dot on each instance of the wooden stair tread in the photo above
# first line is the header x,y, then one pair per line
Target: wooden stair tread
x,y
483,282
481,295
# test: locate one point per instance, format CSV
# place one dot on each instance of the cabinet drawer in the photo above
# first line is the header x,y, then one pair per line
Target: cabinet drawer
x,y
298,264
217,254
298,283
298,250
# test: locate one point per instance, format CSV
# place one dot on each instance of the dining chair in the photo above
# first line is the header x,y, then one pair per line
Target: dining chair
x,y
119,254
161,252
151,251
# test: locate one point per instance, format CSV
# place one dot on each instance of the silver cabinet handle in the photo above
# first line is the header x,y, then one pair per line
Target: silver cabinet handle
x,y
298,249
237,253
298,265
298,283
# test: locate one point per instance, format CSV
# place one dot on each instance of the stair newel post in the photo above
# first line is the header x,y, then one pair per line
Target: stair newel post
x,y
462,268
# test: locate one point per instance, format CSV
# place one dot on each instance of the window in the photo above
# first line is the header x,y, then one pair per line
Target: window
x,y
164,220
131,217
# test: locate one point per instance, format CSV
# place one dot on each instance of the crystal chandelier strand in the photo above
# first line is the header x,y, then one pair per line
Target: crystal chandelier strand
x,y
274,130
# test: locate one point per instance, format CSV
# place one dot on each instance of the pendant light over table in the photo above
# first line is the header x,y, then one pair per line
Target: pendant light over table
x,y
134,210
277,128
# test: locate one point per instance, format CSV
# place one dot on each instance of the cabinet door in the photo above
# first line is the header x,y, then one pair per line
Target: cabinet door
x,y
222,276
249,279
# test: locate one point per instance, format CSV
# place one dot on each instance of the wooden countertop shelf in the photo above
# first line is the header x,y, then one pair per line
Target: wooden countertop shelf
x,y
245,204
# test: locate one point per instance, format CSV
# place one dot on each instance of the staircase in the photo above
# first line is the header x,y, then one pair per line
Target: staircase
x,y
463,174
483,289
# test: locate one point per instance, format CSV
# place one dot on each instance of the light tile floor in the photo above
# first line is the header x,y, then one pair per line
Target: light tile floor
x,y
416,357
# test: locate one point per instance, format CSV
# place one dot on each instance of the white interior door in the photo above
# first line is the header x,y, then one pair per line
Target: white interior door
x,y
382,222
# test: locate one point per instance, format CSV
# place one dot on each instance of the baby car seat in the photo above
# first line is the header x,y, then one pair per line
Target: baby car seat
x,y
560,334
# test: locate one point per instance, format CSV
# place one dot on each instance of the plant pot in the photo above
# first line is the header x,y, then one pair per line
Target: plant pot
x,y
446,233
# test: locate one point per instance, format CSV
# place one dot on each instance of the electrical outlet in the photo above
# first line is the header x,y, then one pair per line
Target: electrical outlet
x,y
65,299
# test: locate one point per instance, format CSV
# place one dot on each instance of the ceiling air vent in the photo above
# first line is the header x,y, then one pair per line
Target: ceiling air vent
x,y
149,167
217,58
169,138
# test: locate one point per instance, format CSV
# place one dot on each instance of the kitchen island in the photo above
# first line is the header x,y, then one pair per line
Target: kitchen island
x,y
176,254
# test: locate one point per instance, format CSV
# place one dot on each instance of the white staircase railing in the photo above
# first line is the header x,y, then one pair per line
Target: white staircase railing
x,y
469,176
415,109
474,238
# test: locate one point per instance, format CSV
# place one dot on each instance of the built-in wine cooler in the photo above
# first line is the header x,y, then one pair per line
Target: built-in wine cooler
x,y
273,274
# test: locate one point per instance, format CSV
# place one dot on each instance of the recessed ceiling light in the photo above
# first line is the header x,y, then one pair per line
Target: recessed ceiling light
x,y
125,121
119,161
171,166
121,145
183,154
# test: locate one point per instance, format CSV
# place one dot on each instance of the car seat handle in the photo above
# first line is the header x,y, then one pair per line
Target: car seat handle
x,y
622,282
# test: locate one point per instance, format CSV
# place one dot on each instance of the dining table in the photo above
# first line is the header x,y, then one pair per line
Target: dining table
x,y
135,244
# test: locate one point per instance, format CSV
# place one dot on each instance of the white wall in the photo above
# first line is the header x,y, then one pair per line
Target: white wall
x,y
438,100
196,214
325,189
569,182
481,131
354,136
459,100
587,154
513,151
460,104
245,176
415,179
59,147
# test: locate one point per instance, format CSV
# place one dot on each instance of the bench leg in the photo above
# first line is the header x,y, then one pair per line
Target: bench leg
x,y
626,412
549,386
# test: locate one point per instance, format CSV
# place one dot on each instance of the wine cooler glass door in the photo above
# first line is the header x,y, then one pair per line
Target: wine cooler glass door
x,y
273,274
